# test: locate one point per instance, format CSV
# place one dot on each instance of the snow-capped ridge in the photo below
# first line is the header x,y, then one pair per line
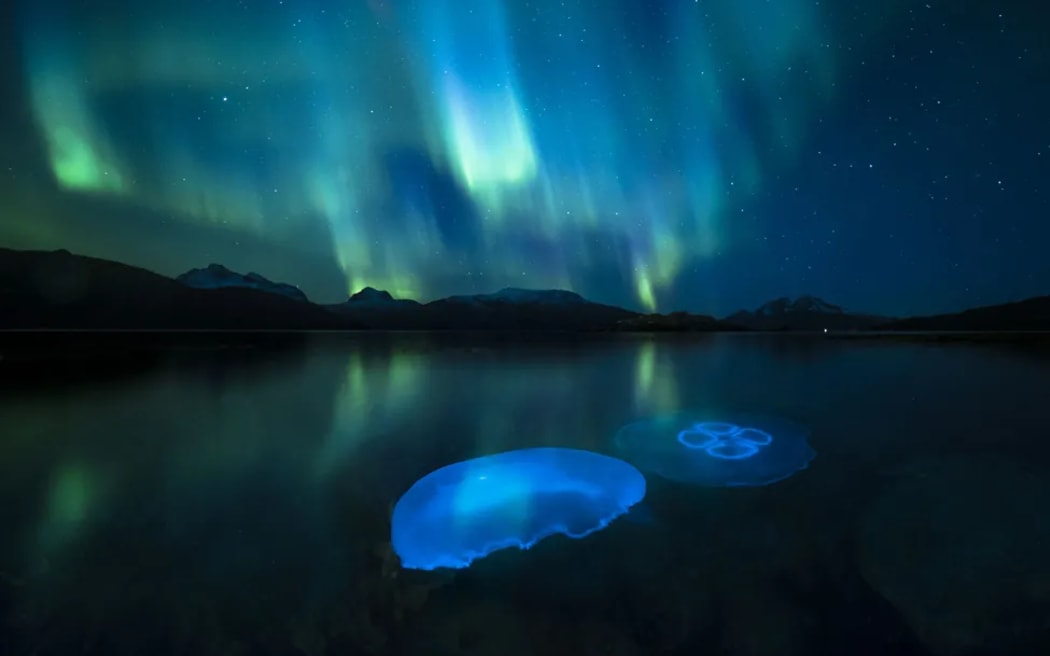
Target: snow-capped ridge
x,y
216,276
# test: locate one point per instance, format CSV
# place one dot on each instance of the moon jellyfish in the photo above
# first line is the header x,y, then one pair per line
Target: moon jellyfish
x,y
467,510
716,450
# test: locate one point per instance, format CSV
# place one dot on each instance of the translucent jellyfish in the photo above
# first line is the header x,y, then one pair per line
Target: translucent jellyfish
x,y
716,450
467,510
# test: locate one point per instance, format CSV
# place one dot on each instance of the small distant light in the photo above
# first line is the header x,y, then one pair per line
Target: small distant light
x,y
825,330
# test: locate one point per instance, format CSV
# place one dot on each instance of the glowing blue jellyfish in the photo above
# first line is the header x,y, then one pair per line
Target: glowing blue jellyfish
x,y
716,451
467,510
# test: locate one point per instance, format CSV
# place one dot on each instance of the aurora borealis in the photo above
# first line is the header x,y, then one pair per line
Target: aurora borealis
x,y
659,154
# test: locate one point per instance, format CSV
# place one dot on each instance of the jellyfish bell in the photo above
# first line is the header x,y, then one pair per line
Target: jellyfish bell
x,y
470,509
716,449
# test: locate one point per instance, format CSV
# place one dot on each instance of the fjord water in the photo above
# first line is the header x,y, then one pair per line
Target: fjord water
x,y
236,500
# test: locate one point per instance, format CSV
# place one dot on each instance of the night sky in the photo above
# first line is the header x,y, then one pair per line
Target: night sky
x,y
889,156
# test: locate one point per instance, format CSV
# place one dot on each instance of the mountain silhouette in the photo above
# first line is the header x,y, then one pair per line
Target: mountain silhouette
x,y
1032,314
59,290
805,313
216,276
507,309
62,291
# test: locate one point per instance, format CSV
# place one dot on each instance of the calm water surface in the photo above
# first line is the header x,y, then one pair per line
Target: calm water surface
x,y
237,501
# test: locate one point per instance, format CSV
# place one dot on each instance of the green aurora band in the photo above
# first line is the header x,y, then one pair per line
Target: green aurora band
x,y
436,140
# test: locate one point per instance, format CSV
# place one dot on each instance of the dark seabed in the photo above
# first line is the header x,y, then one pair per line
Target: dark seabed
x,y
234,498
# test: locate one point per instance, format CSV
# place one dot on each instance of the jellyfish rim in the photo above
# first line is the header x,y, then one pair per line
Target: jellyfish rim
x,y
635,484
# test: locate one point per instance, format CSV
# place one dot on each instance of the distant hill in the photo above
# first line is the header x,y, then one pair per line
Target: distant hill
x,y
63,291
673,322
507,309
806,313
216,276
537,309
516,295
370,297
1029,314
59,290
373,303
378,309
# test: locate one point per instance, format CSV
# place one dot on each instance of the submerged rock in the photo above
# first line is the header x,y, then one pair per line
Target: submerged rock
x,y
959,547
